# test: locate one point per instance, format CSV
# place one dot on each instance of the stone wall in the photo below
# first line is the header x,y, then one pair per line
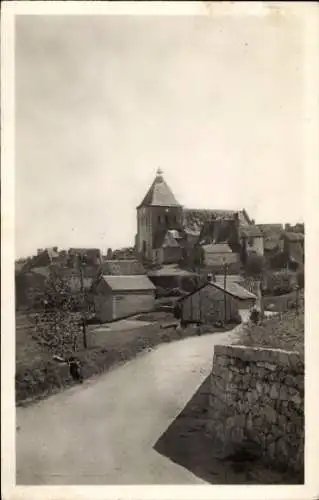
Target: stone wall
x,y
256,404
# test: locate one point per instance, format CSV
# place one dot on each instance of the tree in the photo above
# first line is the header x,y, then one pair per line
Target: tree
x,y
255,265
58,315
301,279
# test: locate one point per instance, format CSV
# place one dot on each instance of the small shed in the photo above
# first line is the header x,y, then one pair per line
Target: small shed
x,y
118,297
212,302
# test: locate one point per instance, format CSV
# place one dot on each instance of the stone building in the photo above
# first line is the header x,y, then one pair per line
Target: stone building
x,y
168,233
158,213
116,297
212,302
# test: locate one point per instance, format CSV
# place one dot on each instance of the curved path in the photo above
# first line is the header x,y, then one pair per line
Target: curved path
x,y
104,431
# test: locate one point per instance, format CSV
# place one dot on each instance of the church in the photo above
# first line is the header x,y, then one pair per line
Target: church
x,y
166,230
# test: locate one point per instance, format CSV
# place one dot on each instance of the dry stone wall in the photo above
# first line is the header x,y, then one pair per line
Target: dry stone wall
x,y
256,404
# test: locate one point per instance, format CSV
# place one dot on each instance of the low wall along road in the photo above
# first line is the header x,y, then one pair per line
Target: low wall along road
x,y
257,402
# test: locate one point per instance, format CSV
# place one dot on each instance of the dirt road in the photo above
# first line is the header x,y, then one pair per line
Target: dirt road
x,y
104,431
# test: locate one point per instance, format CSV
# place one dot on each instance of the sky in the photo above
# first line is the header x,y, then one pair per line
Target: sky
x,y
103,101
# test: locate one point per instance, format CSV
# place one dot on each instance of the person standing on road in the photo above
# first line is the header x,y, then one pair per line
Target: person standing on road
x,y
75,369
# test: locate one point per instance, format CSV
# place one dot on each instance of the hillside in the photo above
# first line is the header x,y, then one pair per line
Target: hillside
x,y
280,332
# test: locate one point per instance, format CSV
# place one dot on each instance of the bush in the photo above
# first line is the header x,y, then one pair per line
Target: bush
x,y
280,282
301,278
255,264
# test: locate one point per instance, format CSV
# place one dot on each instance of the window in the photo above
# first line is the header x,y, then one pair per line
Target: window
x,y
159,219
166,219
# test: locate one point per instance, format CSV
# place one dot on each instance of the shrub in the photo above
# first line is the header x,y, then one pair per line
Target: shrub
x,y
301,278
255,264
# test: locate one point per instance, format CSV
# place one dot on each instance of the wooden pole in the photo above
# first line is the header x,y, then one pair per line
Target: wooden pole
x,y
83,316
225,297
261,298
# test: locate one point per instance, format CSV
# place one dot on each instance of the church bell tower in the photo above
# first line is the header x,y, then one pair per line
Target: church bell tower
x,y
158,212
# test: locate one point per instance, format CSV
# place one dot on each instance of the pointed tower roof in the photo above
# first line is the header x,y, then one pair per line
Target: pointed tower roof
x,y
159,194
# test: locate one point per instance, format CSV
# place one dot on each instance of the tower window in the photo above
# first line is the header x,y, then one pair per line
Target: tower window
x,y
166,219
159,219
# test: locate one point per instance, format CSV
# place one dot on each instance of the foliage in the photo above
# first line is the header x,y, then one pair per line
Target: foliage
x,y
301,278
279,282
255,265
58,317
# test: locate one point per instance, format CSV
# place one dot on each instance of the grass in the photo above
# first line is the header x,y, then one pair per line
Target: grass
x,y
283,303
37,375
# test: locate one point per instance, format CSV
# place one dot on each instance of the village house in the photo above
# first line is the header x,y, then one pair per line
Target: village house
x,y
252,240
171,276
215,256
212,303
128,253
116,297
44,258
293,248
122,268
272,237
89,256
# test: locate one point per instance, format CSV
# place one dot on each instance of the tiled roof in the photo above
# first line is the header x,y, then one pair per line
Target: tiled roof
x,y
122,268
217,248
159,194
166,238
294,236
272,235
129,283
170,270
270,227
232,289
18,266
194,219
251,231
43,259
235,290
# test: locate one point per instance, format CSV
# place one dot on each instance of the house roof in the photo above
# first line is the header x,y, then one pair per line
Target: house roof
x,y
18,266
291,236
235,290
217,248
266,228
272,235
159,194
122,268
170,270
129,283
43,259
251,231
164,238
194,219
232,289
